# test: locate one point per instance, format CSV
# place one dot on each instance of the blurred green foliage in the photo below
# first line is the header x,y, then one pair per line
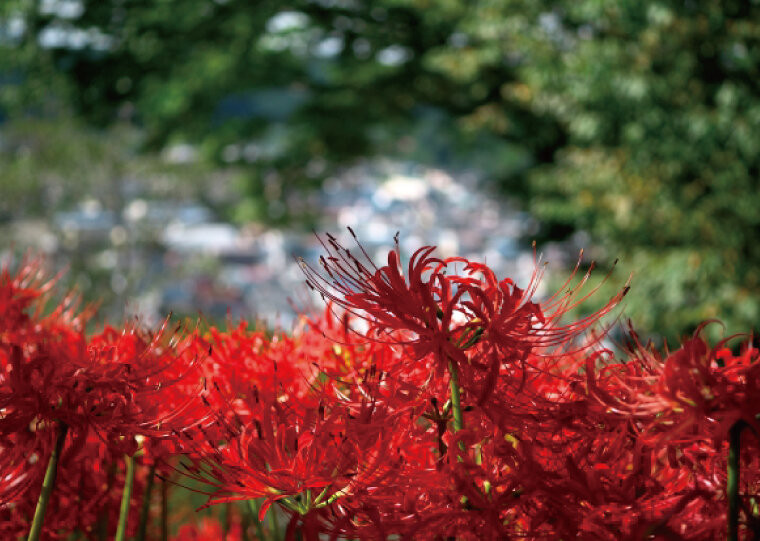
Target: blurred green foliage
x,y
661,105
636,121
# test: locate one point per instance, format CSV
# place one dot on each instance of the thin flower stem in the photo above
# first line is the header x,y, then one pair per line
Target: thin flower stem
x,y
321,496
145,509
245,524
732,488
456,406
126,497
47,484
226,520
274,524
253,507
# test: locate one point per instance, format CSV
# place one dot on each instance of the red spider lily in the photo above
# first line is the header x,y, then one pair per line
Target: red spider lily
x,y
424,305
293,436
303,458
241,359
707,390
110,383
239,362
350,432
21,463
87,493
643,469
409,504
54,379
693,394
590,476
439,311
23,299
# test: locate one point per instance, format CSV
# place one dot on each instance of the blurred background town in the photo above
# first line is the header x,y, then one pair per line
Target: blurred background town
x,y
177,155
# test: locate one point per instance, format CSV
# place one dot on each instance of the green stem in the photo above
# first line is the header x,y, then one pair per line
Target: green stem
x,y
456,406
47,484
245,523
126,497
253,506
226,520
274,524
321,496
732,488
145,509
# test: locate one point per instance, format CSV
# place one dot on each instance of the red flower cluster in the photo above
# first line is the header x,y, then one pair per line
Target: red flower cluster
x,y
450,310
436,402
86,398
87,493
498,421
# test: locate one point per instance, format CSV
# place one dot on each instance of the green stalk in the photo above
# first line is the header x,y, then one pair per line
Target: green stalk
x,y
245,523
732,488
226,519
126,496
456,406
47,484
274,524
253,507
145,509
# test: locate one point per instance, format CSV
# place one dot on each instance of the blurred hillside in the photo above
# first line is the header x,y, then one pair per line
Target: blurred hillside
x,y
632,127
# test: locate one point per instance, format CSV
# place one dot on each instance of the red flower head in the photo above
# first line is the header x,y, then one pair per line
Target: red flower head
x,y
56,380
445,307
700,392
693,394
87,493
303,458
